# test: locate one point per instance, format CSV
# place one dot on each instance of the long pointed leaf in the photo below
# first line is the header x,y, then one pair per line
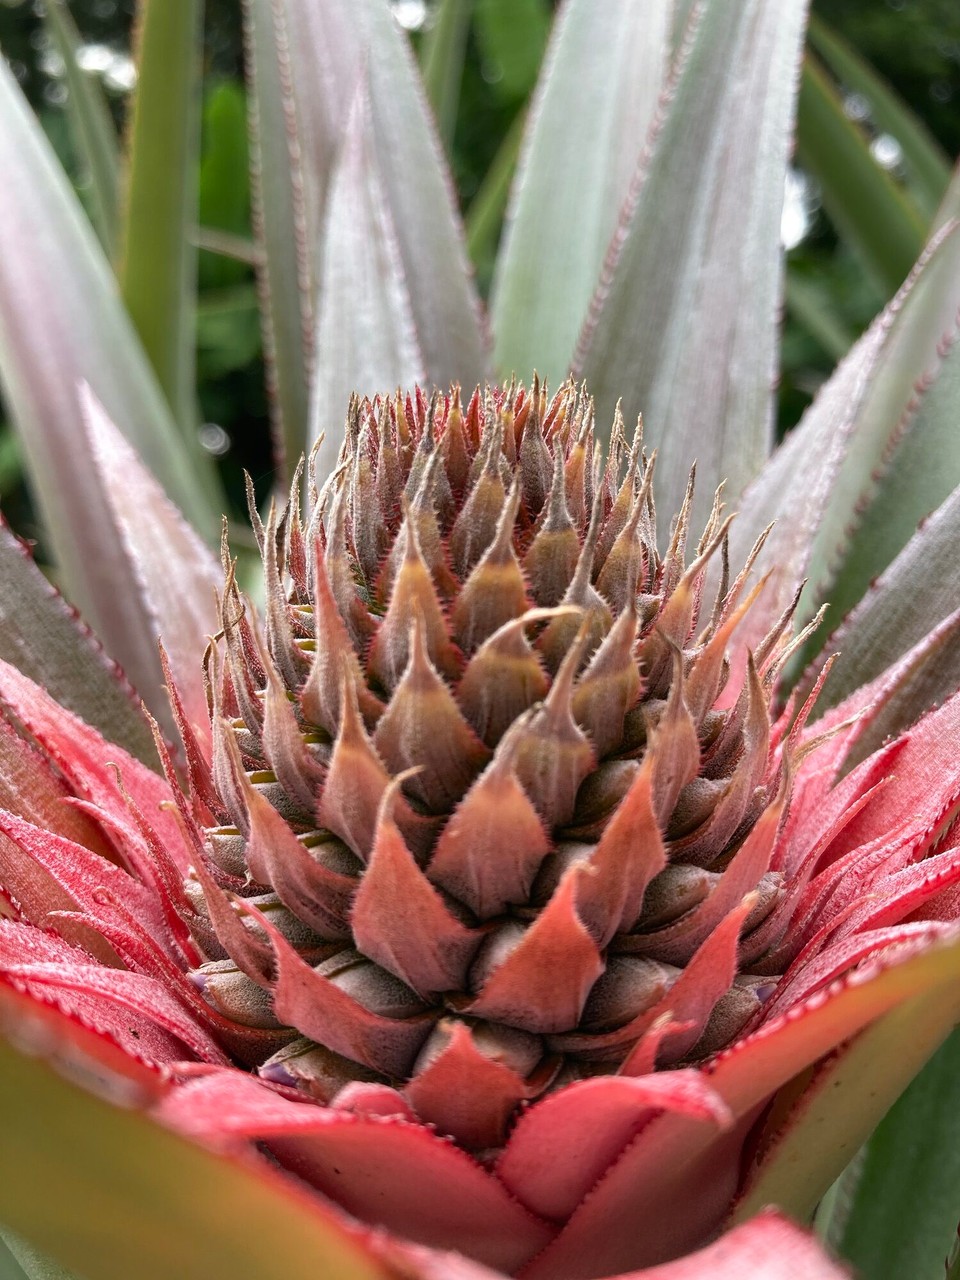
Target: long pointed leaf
x,y
486,210
93,127
903,1221
683,326
169,578
75,1165
905,604
158,265
442,56
443,305
61,321
835,1115
609,60
277,177
869,210
813,485
365,329
42,637
928,167
306,61
920,471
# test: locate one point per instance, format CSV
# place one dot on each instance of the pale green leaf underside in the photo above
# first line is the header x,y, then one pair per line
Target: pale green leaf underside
x,y
108,1193
843,1103
61,321
684,324
602,76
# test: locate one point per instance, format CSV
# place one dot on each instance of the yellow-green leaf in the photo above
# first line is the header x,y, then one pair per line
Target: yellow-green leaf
x,y
107,1192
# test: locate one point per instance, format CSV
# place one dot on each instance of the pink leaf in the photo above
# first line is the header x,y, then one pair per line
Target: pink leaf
x,y
385,1170
562,1145
133,1011
677,1162
86,761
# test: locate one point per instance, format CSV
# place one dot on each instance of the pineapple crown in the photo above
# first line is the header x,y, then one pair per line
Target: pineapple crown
x,y
485,814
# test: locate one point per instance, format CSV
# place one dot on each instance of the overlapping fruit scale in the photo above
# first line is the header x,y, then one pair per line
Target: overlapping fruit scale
x,y
479,821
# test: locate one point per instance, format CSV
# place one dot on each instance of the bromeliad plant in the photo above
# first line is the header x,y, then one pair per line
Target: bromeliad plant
x,y
479,902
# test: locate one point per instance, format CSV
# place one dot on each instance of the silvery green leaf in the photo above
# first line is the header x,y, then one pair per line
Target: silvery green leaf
x,y
306,60
814,484
683,326
603,73
170,578
365,330
61,321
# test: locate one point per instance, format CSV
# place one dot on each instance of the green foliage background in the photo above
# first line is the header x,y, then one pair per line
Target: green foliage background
x,y
832,295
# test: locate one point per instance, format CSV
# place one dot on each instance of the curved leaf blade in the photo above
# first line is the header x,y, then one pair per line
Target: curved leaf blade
x,y
75,1164
61,321
441,59
279,215
917,592
158,260
42,636
164,581
838,1110
870,211
611,60
927,164
365,329
920,470
831,458
683,326
89,115
446,309
903,1220
306,60
484,217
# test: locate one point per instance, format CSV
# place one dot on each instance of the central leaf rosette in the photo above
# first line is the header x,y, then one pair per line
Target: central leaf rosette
x,y
483,821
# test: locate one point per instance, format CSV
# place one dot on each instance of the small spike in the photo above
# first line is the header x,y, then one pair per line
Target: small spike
x,y
421,943
551,753
552,558
413,596
491,848
495,592
423,728
542,984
